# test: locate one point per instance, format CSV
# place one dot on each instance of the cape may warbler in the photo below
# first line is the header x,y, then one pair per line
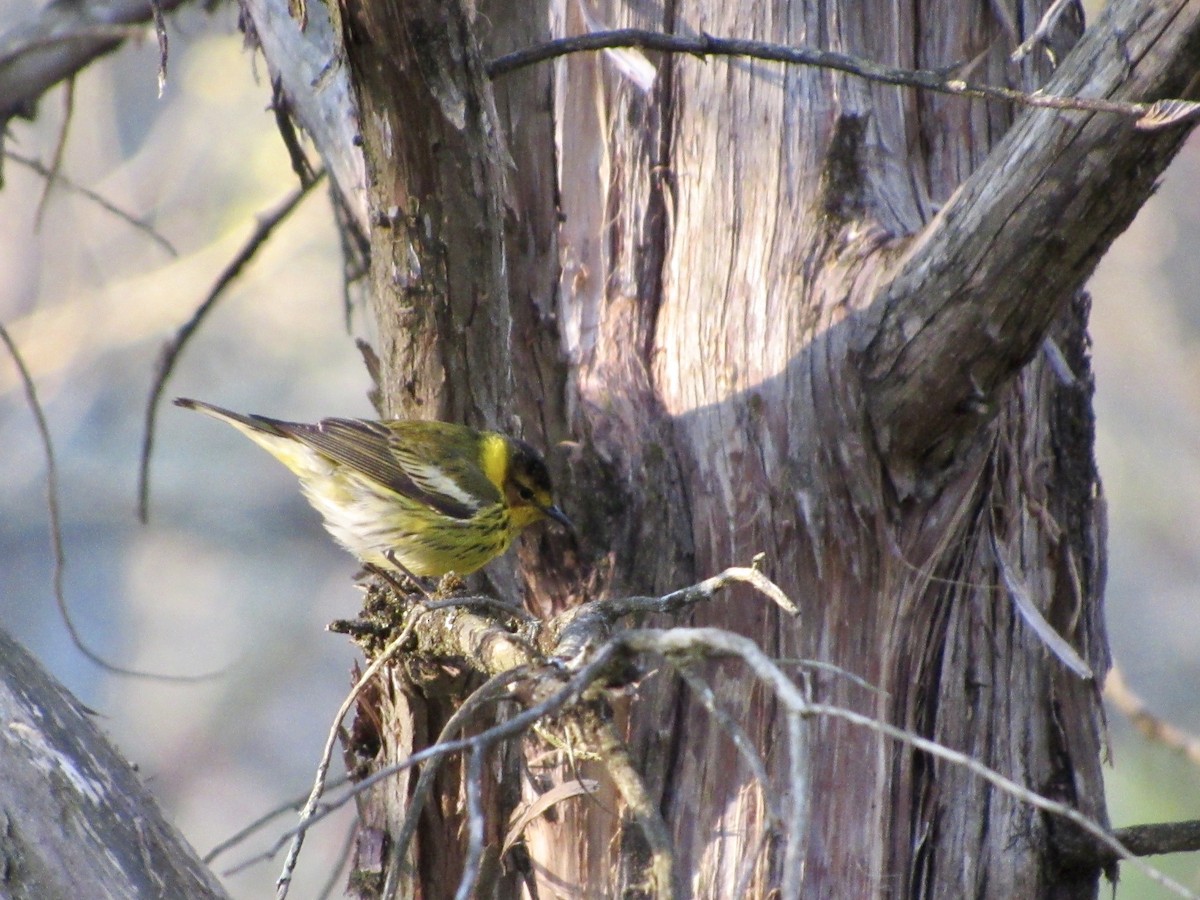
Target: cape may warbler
x,y
441,497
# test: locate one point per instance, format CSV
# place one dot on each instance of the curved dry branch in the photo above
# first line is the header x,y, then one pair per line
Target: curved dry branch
x,y
489,692
571,686
171,351
56,543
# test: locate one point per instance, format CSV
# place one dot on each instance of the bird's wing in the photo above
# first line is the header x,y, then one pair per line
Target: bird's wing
x,y
404,466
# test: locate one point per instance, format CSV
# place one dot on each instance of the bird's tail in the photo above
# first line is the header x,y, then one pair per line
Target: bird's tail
x,y
250,423
273,435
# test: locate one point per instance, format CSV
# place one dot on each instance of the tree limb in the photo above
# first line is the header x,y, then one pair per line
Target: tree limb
x,y
708,45
75,820
63,38
975,293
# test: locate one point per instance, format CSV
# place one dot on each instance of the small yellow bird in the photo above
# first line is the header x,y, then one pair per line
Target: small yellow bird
x,y
441,497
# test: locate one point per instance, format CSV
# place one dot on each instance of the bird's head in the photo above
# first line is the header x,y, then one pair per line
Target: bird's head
x,y
527,489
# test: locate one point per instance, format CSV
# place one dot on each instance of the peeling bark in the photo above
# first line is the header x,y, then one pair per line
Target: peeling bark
x,y
786,311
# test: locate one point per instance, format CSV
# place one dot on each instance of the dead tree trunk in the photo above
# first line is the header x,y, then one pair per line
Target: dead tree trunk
x,y
789,311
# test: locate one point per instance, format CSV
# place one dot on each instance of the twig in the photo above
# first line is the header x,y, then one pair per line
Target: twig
x,y
579,626
569,692
1160,837
1023,601
1148,114
614,756
309,815
56,542
741,741
688,643
1048,21
488,692
310,806
60,147
160,32
677,600
1009,786
60,35
293,805
287,132
745,747
60,41
100,201
173,348
819,666
1153,727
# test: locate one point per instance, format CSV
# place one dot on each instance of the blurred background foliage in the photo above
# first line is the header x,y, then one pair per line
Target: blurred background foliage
x,y
233,571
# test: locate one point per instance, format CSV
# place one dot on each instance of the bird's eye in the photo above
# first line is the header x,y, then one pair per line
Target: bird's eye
x,y
525,493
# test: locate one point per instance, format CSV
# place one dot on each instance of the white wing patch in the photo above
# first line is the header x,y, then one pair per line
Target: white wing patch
x,y
432,479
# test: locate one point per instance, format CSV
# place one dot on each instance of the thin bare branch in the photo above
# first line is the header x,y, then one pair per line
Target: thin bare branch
x,y
819,666
56,542
356,264
667,882
1042,31
309,814
741,741
1022,599
692,643
1160,837
293,805
100,201
490,691
707,45
1094,829
160,32
705,590
578,629
745,746
56,159
1153,727
520,723
318,789
172,350
287,132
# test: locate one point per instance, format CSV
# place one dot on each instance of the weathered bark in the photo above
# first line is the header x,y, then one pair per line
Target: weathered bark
x,y
779,310
75,820
774,309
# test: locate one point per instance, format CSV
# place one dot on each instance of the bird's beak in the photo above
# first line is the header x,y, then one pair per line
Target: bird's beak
x,y
560,517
